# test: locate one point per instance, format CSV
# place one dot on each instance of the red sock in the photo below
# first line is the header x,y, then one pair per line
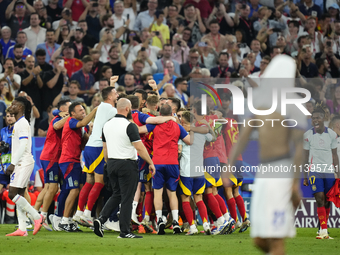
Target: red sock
x,y
232,208
213,205
202,209
139,211
94,194
327,213
148,204
222,204
322,217
188,212
84,193
240,206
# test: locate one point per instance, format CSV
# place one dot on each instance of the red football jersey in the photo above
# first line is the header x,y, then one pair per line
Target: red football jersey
x,y
71,142
52,147
230,134
72,65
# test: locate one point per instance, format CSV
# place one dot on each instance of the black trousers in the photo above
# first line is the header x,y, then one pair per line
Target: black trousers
x,y
123,177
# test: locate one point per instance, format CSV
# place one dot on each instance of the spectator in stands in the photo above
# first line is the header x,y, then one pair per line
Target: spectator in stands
x,y
50,46
31,81
146,78
129,83
167,76
168,90
71,64
208,54
138,66
21,39
53,10
306,67
63,33
293,27
104,46
19,64
174,20
5,92
180,49
160,63
14,80
73,90
117,67
16,16
149,66
308,8
40,55
6,41
91,16
102,83
54,80
193,20
97,65
226,23
274,51
145,18
130,8
243,22
214,36
66,15
222,70
88,39
181,87
77,7
45,20
85,79
186,68
35,33
159,30
332,59
263,65
323,67
80,50
119,20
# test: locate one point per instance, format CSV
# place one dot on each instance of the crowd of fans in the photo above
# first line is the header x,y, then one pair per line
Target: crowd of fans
x,y
52,50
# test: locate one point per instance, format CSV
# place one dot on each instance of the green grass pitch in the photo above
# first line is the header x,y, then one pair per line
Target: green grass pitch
x,y
88,243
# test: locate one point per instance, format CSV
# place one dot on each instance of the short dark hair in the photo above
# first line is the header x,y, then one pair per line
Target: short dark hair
x,y
176,102
214,21
106,92
76,82
302,37
166,110
134,101
104,79
273,48
106,17
11,59
62,102
223,53
294,22
188,6
320,62
166,45
17,46
50,30
143,92
34,13
152,93
40,52
145,76
179,80
82,21
72,106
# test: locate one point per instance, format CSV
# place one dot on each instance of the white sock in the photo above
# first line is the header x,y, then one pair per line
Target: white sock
x,y
70,220
134,206
220,220
44,214
174,214
87,213
21,218
25,206
159,214
64,220
147,218
226,215
79,213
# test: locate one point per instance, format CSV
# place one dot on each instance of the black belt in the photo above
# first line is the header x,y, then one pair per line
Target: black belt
x,y
134,160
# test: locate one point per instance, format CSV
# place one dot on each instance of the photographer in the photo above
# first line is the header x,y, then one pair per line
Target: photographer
x,y
66,15
5,149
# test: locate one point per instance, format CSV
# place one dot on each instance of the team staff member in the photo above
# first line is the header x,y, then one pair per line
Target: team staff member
x,y
120,152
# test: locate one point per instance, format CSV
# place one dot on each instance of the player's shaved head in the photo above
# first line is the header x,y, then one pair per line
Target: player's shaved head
x,y
122,104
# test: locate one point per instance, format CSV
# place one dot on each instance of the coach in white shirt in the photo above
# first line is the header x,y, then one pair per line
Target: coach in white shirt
x,y
35,33
120,152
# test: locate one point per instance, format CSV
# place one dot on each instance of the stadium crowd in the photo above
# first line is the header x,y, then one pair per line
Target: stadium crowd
x,y
65,57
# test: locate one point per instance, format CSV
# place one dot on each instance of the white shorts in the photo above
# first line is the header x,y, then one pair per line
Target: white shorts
x,y
272,214
21,175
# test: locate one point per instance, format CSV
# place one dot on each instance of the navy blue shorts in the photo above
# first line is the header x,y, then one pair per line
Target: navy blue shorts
x,y
166,174
143,167
72,173
191,186
51,171
94,160
321,182
4,179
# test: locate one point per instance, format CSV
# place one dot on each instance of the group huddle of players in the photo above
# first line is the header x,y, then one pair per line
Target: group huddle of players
x,y
62,157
